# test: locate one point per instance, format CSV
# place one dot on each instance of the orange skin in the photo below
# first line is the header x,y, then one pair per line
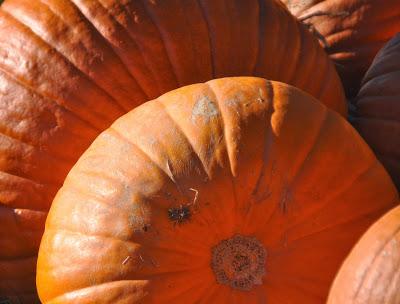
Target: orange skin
x,y
248,157
68,69
354,31
371,273
377,110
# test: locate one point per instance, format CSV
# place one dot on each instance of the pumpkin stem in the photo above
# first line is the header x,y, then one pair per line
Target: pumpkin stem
x,y
239,262
312,28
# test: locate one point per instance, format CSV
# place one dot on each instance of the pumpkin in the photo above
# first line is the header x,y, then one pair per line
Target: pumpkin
x,y
376,110
230,191
352,31
371,273
68,69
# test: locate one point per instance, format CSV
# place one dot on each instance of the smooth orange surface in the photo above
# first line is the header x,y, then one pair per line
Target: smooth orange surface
x,y
247,156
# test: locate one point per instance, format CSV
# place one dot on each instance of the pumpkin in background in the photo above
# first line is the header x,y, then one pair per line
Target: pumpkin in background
x,y
371,273
240,193
353,31
376,113
70,68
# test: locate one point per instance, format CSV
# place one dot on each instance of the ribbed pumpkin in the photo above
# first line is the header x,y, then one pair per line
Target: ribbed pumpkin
x,y
377,108
354,31
371,273
238,190
70,68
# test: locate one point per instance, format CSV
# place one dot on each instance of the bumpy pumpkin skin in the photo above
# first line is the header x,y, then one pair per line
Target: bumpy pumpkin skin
x,y
371,273
355,30
377,108
68,69
249,158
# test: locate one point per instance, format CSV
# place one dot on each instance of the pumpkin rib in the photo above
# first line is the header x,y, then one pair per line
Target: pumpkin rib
x,y
327,228
338,193
183,135
311,149
32,146
163,40
44,47
124,64
66,59
27,86
142,152
148,68
10,78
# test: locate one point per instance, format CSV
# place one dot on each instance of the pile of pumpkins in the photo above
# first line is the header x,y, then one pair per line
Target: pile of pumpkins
x,y
199,151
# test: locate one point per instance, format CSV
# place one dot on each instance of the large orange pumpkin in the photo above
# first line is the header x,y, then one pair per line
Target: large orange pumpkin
x,y
353,31
371,273
231,191
377,108
70,68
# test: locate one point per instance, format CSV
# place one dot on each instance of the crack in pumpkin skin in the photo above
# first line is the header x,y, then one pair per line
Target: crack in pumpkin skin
x,y
172,263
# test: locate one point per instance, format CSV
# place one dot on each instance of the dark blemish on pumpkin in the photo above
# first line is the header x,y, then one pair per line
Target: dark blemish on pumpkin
x,y
179,215
146,227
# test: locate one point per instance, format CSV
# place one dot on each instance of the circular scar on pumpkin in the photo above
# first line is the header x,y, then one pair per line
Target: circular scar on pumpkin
x,y
239,262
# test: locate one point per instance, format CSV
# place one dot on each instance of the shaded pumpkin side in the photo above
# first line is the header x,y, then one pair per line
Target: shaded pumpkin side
x,y
376,113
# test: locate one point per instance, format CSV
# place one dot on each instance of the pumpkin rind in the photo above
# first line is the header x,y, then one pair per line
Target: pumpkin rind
x,y
354,30
376,112
68,69
248,157
371,273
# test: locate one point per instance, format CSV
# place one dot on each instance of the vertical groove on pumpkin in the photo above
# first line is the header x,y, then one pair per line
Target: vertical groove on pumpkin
x,y
210,39
126,65
143,58
44,93
7,77
142,152
318,135
326,201
63,57
184,136
111,47
153,19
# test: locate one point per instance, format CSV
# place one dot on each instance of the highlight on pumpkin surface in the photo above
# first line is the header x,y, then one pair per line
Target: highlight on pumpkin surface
x,y
241,193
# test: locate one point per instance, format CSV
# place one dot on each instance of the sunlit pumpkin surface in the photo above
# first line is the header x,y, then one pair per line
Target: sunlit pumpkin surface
x,y
68,69
239,190
371,273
